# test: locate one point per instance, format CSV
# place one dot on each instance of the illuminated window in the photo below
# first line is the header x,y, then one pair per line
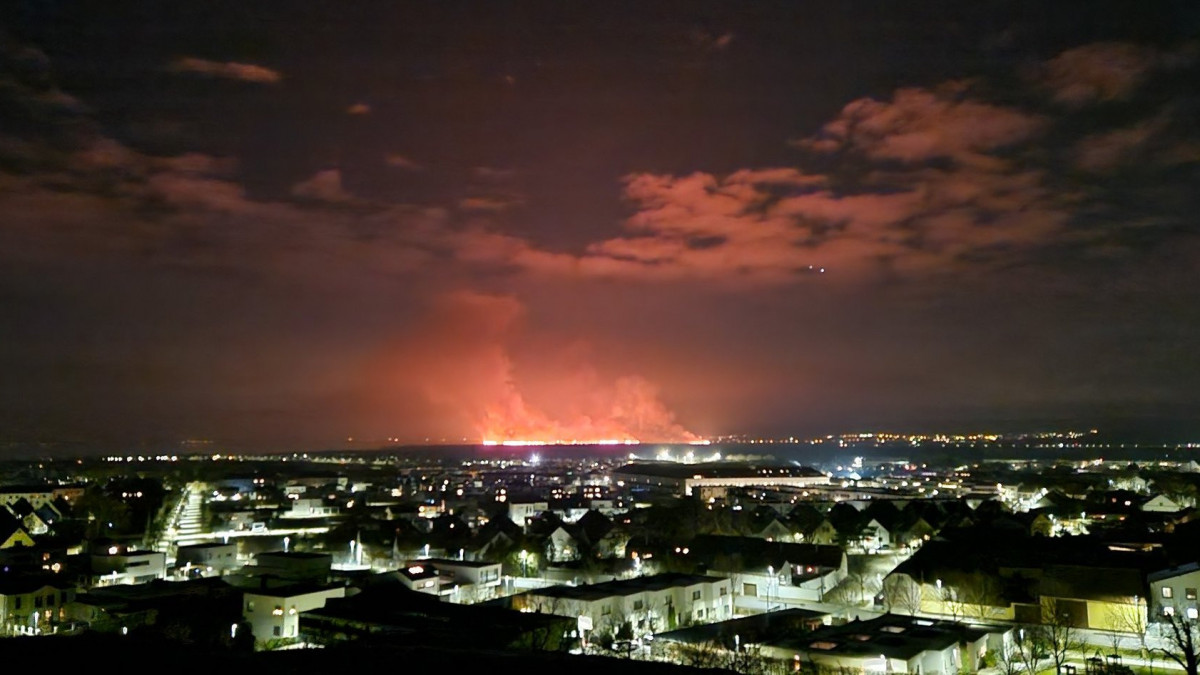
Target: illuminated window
x,y
1189,593
1168,611
1168,592
1192,613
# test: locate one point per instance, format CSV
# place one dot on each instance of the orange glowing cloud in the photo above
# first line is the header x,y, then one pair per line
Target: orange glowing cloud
x,y
947,193
462,364
919,124
231,70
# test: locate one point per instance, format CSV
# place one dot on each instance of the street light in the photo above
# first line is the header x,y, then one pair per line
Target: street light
x,y
770,582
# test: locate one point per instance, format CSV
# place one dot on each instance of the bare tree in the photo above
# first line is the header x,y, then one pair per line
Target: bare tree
x,y
980,595
951,602
1031,647
902,593
1127,623
852,590
652,619
699,655
748,660
1057,633
1182,637
1009,659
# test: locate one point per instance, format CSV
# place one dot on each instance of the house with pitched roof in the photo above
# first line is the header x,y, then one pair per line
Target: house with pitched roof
x,y
12,532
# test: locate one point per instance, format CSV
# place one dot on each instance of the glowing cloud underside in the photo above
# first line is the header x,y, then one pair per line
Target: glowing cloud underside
x,y
633,415
466,368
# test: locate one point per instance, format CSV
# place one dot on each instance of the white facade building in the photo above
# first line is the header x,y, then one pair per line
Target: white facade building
x,y
121,566
649,604
1173,591
275,613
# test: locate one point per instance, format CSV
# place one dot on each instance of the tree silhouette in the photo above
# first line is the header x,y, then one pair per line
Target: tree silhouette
x,y
902,593
1181,636
1054,638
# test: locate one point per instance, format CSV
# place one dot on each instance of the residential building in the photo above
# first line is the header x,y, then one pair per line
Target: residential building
x,y
1173,591
207,559
686,479
420,577
32,605
121,565
274,613
303,508
892,644
465,572
521,512
649,604
297,566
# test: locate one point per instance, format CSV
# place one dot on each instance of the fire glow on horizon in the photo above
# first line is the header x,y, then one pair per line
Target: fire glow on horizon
x,y
628,441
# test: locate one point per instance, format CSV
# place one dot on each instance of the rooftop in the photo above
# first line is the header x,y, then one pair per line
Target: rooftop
x,y
294,555
202,546
450,562
754,628
679,471
622,587
1173,572
891,635
291,590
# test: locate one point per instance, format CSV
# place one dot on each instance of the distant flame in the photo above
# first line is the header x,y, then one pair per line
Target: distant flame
x,y
463,363
633,415
520,443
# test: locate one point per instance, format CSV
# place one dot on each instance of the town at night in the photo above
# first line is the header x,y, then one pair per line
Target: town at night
x,y
836,338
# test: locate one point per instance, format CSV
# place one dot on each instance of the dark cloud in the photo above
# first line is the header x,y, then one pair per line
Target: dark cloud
x,y
1107,71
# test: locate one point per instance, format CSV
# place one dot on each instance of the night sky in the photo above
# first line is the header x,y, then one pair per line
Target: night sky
x,y
288,224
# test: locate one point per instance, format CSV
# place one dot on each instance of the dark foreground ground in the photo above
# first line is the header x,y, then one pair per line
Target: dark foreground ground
x,y
140,655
